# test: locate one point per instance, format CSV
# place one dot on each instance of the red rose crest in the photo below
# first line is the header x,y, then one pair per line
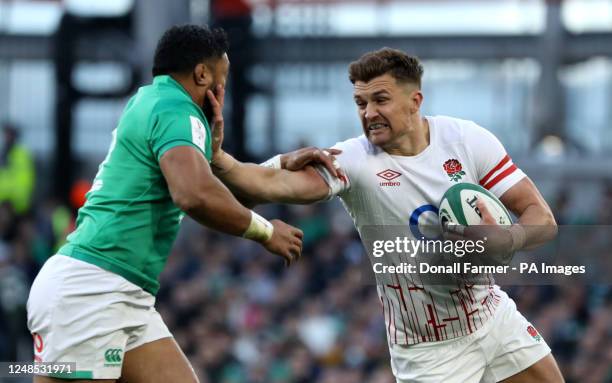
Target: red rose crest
x,y
534,333
454,169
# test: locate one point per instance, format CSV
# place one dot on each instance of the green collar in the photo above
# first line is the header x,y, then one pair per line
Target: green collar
x,y
168,80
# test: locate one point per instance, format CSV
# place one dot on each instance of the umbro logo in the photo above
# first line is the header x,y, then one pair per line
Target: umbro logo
x,y
388,176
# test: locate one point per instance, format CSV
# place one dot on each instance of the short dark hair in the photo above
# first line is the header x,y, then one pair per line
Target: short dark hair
x,y
403,67
182,47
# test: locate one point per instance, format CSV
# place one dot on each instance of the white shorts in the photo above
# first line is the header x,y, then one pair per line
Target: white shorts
x,y
78,312
506,345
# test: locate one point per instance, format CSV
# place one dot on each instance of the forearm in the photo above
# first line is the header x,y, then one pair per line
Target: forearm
x,y
197,192
539,226
246,181
536,224
259,184
218,209
255,184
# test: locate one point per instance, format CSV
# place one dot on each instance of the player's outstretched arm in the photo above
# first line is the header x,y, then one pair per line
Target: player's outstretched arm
x,y
255,184
260,184
196,191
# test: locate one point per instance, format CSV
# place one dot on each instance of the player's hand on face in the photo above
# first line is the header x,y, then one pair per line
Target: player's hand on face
x,y
217,99
286,241
300,158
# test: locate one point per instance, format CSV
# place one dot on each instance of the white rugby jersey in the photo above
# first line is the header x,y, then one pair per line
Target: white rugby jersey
x,y
398,190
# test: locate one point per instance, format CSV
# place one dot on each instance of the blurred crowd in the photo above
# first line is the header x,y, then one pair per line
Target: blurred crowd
x,y
242,317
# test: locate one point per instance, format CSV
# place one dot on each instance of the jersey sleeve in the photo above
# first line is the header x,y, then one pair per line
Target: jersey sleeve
x,y
495,169
173,129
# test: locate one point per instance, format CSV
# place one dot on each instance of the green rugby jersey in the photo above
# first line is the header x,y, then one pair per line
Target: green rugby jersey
x,y
129,222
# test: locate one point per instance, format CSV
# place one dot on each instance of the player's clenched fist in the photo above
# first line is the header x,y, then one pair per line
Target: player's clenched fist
x,y
286,241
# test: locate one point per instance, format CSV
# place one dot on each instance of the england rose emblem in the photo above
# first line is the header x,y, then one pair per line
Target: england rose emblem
x,y
534,333
454,169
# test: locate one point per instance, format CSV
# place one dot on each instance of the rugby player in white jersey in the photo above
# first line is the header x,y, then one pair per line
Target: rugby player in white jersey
x,y
395,172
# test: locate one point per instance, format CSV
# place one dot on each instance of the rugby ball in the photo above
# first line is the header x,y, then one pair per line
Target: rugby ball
x,y
458,205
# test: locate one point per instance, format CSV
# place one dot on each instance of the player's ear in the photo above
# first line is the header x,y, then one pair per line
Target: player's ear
x,y
202,75
417,100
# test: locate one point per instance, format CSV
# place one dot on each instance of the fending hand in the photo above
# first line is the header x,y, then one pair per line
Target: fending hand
x,y
216,99
298,159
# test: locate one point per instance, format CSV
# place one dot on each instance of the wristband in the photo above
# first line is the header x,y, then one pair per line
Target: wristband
x,y
259,230
519,236
274,162
224,163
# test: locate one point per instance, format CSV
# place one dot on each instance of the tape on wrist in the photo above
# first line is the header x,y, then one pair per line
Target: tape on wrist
x,y
454,228
334,162
259,230
274,162
519,236
336,185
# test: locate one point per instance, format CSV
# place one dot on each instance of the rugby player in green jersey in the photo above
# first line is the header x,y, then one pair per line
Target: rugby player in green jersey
x,y
93,302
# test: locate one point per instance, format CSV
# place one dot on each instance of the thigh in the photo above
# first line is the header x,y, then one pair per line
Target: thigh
x,y
160,361
456,361
543,371
519,351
